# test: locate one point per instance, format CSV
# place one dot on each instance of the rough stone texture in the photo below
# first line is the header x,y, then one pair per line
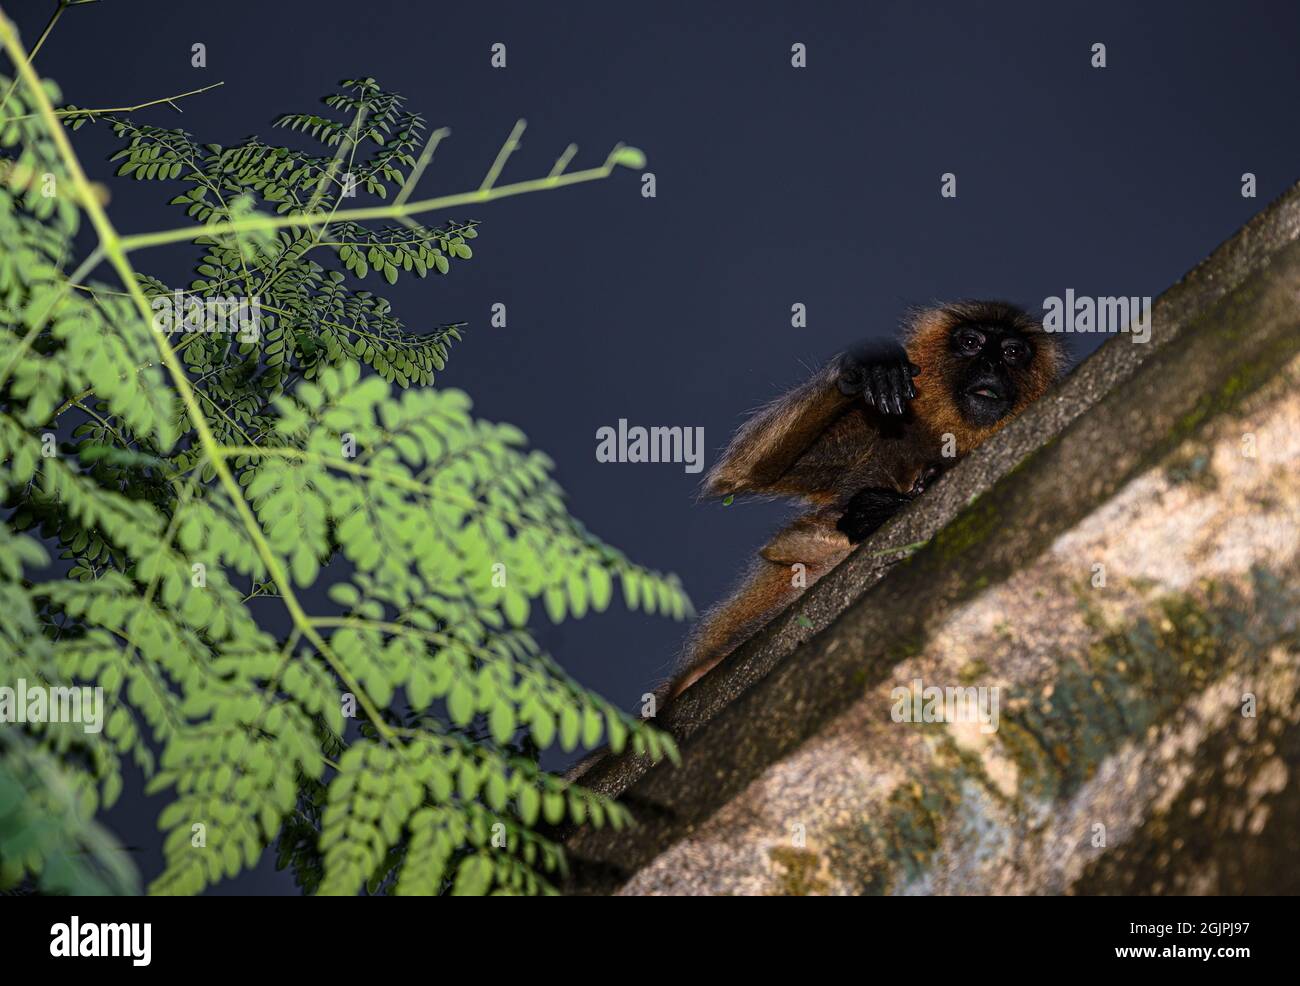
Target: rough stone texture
x,y
1176,466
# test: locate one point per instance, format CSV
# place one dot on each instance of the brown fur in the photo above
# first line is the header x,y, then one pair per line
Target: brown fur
x,y
926,341
822,446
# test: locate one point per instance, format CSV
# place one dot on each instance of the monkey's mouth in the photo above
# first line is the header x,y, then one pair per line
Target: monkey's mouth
x,y
987,392
985,402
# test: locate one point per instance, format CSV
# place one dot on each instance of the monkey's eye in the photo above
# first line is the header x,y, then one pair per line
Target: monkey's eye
x,y
969,342
1014,351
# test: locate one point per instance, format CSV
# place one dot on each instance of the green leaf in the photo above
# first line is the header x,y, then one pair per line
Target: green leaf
x,y
629,157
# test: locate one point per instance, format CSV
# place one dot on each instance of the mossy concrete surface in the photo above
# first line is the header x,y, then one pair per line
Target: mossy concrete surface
x,y
1119,568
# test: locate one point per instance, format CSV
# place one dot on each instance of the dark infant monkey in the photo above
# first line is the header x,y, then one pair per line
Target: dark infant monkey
x,y
863,437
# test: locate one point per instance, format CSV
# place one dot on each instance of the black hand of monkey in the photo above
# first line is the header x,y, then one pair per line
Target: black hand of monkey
x,y
882,374
868,510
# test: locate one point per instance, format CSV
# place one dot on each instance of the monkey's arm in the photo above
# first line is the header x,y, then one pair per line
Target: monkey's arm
x,y
769,443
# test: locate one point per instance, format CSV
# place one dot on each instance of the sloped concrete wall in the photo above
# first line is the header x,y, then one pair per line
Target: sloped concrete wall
x,y
1146,737
1148,730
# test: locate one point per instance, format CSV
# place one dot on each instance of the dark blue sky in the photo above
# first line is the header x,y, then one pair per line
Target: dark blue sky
x,y
775,186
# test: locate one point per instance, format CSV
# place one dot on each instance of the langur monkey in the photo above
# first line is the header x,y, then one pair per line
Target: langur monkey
x,y
866,435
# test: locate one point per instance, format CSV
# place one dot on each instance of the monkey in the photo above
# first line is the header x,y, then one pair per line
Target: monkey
x,y
866,435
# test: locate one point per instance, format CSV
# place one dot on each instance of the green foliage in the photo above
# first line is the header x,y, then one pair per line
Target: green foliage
x,y
311,317
46,827
192,484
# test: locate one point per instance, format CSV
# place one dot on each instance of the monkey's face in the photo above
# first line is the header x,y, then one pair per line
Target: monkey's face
x,y
989,363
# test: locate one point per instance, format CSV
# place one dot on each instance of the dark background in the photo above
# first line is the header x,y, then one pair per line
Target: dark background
x,y
775,186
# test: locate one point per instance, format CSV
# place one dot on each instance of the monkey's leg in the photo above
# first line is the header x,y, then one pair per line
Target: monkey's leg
x,y
793,560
